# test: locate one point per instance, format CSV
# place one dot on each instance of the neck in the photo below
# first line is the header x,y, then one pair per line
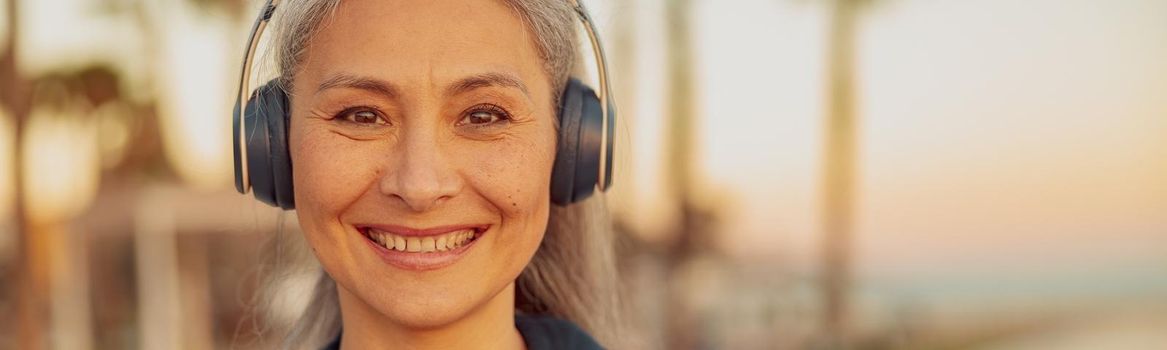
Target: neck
x,y
489,326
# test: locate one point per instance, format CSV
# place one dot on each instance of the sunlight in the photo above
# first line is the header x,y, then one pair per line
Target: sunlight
x,y
61,165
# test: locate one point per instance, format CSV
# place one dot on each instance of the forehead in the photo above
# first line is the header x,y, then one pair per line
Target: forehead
x,y
423,42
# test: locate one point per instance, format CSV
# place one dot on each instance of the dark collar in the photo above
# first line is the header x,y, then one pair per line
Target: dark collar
x,y
547,333
539,333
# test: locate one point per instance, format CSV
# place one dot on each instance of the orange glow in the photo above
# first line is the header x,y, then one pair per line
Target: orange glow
x,y
7,166
61,165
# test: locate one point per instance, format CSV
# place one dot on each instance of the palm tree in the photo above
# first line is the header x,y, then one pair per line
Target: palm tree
x,y
31,286
839,148
694,238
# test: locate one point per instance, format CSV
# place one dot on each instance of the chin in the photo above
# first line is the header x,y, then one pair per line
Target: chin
x,y
411,311
433,314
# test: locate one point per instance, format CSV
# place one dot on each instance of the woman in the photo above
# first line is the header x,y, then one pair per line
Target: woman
x,y
426,141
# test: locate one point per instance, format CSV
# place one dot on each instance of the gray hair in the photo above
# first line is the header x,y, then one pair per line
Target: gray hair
x,y
551,22
572,274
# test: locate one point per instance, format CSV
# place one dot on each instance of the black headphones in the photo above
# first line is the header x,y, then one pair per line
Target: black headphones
x,y
583,159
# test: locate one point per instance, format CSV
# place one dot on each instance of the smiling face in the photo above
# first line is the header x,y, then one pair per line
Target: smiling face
x,y
417,123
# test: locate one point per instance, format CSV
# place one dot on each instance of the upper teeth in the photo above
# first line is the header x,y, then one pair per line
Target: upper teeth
x,y
414,244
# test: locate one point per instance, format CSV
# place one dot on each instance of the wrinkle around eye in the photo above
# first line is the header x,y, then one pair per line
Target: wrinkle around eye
x,y
324,121
351,114
516,127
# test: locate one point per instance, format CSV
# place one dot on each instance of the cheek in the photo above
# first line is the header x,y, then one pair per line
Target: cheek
x,y
328,175
514,175
515,179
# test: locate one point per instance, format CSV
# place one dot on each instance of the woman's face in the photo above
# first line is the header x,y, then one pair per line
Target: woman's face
x,y
418,123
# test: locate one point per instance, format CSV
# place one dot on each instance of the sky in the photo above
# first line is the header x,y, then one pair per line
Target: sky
x,y
999,140
1015,142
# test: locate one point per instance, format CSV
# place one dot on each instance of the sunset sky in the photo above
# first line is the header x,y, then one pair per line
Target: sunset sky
x,y
999,140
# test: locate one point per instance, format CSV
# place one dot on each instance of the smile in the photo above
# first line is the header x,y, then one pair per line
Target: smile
x,y
422,244
421,250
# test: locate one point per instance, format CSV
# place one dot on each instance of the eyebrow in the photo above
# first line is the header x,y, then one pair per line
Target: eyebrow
x,y
487,80
344,80
387,89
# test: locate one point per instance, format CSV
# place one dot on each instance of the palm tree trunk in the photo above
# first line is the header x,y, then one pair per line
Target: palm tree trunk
x,y
838,173
32,286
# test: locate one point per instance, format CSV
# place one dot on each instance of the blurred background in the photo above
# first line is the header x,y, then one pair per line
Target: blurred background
x,y
792,174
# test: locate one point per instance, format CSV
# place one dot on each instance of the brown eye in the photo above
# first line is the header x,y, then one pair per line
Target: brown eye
x,y
481,118
485,115
363,117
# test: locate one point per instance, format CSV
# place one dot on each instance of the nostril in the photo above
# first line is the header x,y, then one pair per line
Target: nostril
x,y
420,176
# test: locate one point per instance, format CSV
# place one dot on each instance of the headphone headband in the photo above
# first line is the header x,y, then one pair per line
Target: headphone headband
x,y
243,183
606,103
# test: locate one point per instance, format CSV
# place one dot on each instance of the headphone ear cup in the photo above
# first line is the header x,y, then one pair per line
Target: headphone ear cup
x,y
237,148
269,167
590,139
281,161
611,145
577,158
563,173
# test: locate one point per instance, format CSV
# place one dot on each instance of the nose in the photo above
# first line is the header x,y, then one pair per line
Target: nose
x,y
418,174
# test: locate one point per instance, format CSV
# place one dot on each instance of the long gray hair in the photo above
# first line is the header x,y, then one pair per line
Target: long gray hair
x,y
572,274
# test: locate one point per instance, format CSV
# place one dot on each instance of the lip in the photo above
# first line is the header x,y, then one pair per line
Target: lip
x,y
420,261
